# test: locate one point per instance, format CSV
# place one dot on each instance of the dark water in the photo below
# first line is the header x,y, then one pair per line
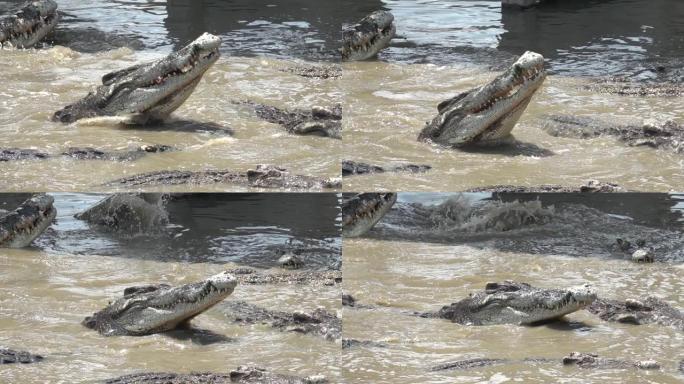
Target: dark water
x,y
282,28
636,38
578,225
641,39
247,229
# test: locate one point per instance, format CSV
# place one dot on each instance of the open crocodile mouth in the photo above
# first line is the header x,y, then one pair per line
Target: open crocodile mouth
x,y
31,24
27,222
34,28
367,42
523,82
196,61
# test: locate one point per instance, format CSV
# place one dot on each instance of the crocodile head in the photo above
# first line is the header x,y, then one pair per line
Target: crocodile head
x,y
487,114
365,39
151,91
30,25
158,308
363,211
511,302
21,226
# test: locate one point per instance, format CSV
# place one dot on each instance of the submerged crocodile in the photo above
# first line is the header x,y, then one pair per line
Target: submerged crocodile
x,y
30,25
264,176
649,311
144,310
21,226
251,276
10,356
510,302
147,92
361,212
243,374
319,121
350,167
668,135
364,40
578,359
591,186
486,115
83,153
319,71
319,322
626,87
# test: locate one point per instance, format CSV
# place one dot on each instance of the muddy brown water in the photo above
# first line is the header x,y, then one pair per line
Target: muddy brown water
x,y
72,271
412,276
209,131
388,104
406,265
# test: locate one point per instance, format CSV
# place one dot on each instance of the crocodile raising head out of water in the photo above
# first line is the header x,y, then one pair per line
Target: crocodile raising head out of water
x,y
151,309
21,226
365,39
147,92
363,211
510,302
30,25
486,115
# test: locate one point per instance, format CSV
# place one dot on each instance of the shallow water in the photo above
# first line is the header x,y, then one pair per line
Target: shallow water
x,y
73,271
399,276
209,131
388,105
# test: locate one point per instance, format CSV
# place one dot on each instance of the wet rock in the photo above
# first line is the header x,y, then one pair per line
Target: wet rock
x,y
290,261
10,356
350,167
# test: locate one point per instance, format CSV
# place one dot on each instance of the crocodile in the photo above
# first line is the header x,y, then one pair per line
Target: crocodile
x,y
578,359
485,116
83,153
250,276
127,213
368,37
318,71
319,121
144,310
511,302
361,212
350,167
147,92
10,356
626,87
21,226
263,176
650,310
30,25
591,186
668,136
243,374
319,322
